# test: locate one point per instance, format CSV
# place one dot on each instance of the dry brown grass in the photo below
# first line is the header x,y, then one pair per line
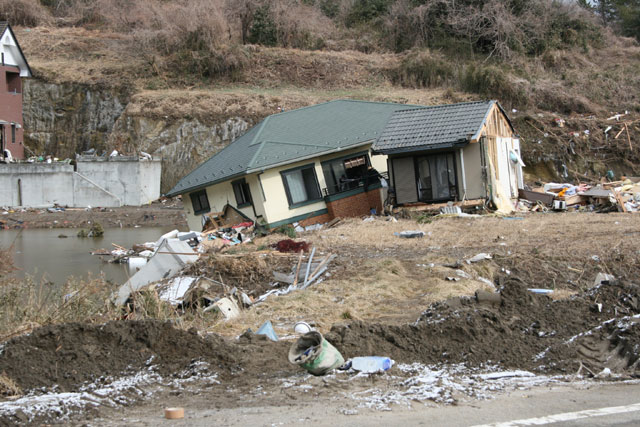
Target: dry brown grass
x,y
8,387
80,55
255,103
377,276
381,277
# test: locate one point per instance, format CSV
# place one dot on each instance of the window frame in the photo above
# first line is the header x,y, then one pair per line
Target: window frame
x,y
453,195
243,186
328,164
13,133
315,183
196,197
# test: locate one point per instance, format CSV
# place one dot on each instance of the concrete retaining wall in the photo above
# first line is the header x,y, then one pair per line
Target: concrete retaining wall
x,y
109,183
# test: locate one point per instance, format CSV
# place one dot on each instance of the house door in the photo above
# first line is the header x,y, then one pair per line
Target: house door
x,y
436,177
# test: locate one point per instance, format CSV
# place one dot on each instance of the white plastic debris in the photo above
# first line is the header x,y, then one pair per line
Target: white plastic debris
x,y
603,277
480,257
176,289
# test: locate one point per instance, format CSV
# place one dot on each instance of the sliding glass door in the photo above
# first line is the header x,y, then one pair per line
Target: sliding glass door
x,y
436,177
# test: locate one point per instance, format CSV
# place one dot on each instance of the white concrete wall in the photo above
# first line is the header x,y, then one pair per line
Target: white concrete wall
x,y
106,184
133,182
87,193
40,185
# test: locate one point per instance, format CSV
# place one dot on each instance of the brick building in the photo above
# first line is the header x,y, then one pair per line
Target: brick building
x,y
13,67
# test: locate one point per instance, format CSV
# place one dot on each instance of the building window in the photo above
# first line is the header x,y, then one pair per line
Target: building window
x,y
13,134
345,173
13,82
200,202
242,192
301,185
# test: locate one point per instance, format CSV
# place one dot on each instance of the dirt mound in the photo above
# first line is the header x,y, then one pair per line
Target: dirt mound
x,y
69,355
524,330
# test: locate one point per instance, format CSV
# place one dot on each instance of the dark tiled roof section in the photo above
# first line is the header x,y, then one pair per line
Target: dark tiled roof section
x,y
432,127
3,27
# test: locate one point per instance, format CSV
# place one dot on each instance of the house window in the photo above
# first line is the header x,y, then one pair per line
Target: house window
x,y
242,192
301,185
345,173
13,82
436,177
13,134
200,202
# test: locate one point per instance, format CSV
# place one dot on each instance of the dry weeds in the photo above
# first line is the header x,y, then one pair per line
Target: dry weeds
x,y
8,387
381,277
376,277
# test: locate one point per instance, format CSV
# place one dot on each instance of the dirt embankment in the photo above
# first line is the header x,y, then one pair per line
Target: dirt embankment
x,y
70,355
523,331
153,215
597,329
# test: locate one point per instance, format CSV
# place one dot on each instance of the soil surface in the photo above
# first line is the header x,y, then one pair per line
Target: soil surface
x,y
156,214
70,355
522,331
385,296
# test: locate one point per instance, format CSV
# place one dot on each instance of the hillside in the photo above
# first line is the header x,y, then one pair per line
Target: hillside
x,y
182,79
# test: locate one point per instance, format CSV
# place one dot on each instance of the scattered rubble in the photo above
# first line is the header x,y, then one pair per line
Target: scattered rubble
x,y
604,196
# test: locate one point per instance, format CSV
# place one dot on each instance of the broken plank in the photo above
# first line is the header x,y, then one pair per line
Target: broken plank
x,y
333,222
297,272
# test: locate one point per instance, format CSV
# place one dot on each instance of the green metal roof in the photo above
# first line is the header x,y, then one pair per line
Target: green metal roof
x,y
292,136
431,128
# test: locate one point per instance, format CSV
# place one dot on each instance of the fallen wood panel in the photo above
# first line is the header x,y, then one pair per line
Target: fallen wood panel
x,y
423,207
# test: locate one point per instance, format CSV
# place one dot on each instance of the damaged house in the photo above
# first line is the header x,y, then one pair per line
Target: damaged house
x,y
466,151
317,163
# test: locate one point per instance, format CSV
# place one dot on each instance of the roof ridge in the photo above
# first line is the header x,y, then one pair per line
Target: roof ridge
x,y
255,138
365,101
301,108
424,107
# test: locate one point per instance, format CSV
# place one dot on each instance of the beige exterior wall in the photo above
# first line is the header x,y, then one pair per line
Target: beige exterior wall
x,y
277,206
472,171
268,193
221,194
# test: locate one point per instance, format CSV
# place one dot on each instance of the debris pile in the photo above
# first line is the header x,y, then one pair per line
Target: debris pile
x,y
191,271
605,196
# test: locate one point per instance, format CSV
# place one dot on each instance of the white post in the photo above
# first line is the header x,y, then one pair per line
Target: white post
x,y
464,179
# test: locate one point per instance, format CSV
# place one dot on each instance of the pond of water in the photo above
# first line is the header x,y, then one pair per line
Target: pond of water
x,y
42,254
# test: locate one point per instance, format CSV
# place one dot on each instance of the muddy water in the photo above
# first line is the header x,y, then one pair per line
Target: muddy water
x,y
42,254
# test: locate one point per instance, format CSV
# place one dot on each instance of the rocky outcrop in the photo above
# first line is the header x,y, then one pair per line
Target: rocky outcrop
x,y
181,143
64,119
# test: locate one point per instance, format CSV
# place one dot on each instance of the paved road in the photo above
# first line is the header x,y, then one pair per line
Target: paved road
x,y
615,404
